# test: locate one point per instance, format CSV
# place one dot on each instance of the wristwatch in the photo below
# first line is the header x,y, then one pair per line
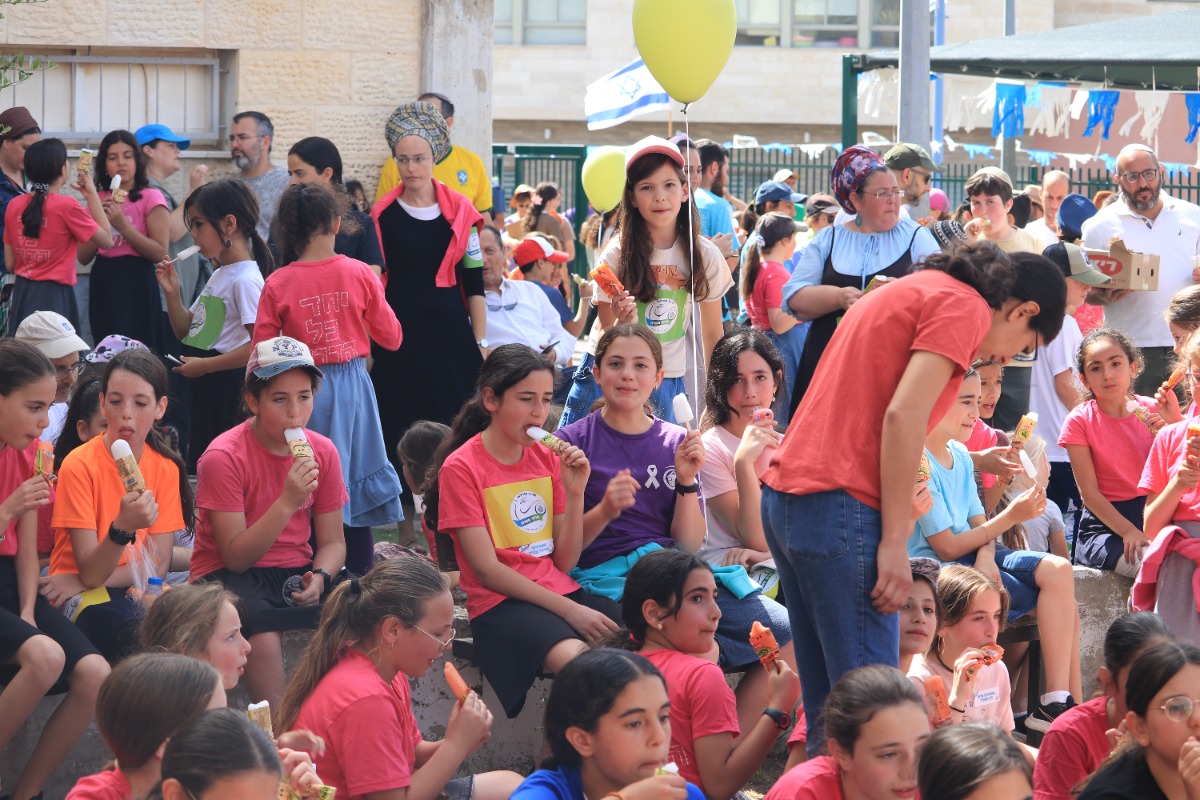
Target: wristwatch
x,y
681,489
482,342
118,536
781,718
328,578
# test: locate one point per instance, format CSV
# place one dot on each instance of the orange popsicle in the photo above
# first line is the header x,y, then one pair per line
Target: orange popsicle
x,y
764,644
606,280
458,687
935,690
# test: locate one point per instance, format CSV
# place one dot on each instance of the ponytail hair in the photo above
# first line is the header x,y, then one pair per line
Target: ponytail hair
x,y
505,367
397,587
149,367
213,746
544,193
772,228
659,576
305,211
999,277
44,162
320,154
232,197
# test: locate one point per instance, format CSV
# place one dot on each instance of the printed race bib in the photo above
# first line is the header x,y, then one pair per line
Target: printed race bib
x,y
207,322
520,516
666,314
987,697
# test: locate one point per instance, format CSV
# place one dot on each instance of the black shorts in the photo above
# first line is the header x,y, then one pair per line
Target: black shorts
x,y
513,638
263,609
14,631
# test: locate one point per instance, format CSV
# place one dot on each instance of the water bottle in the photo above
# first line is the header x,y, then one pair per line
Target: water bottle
x,y
154,586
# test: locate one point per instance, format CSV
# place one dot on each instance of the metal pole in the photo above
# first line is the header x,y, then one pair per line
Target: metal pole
x,y
1008,146
849,101
914,71
939,84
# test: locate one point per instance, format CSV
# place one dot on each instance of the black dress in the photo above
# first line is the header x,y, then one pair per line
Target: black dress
x,y
434,371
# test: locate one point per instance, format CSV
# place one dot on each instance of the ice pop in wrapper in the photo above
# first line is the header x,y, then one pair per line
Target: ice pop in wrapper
x,y
119,195
606,280
1025,427
763,641
683,410
298,443
1176,376
260,714
127,467
935,690
286,792
923,469
1027,463
458,687
555,444
579,279
992,653
1139,411
85,159
43,460
1193,429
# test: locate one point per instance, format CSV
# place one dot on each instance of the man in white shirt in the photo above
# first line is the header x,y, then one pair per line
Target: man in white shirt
x,y
518,311
1149,221
1056,185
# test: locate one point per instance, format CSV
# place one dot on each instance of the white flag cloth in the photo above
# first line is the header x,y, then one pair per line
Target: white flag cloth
x,y
622,95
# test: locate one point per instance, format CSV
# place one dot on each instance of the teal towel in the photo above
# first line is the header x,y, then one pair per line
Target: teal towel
x,y
608,578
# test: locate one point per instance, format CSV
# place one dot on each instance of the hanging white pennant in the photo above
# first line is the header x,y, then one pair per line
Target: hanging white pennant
x,y
1077,159
813,151
1079,103
1054,116
1151,106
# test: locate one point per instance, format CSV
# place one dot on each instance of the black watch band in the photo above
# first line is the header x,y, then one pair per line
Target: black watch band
x,y
681,489
118,536
328,578
781,718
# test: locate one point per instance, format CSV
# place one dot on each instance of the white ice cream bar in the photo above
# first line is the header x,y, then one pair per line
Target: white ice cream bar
x,y
1027,463
683,410
187,252
115,183
670,768
118,194
298,443
127,466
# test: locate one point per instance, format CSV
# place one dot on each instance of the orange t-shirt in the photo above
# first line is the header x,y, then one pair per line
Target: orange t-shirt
x,y
89,497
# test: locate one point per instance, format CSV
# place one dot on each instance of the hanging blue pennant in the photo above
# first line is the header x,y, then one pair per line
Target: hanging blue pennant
x,y
1041,157
1102,106
1110,161
1008,118
977,150
1172,168
1193,111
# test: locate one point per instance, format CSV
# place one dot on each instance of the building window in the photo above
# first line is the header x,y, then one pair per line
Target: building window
x,y
818,23
85,97
541,21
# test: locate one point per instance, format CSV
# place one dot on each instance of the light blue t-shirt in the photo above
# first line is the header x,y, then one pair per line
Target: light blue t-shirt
x,y
564,783
716,215
955,501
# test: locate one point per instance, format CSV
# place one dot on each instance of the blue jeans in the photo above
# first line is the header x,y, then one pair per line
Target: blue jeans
x,y
825,547
585,391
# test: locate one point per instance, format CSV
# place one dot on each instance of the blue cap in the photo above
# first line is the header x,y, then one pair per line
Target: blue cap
x,y
774,191
149,133
1074,211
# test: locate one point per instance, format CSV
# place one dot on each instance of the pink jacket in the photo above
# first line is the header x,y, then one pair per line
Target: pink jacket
x,y
457,210
1172,539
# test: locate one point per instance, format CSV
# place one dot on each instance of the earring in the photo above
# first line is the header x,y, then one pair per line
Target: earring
x,y
858,220
228,243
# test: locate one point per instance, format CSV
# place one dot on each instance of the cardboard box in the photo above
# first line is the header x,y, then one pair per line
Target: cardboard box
x,y
1128,270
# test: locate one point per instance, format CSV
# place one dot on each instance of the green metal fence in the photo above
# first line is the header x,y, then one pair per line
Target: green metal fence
x,y
562,165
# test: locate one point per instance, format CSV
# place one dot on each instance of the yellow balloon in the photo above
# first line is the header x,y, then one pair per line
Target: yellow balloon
x,y
604,177
685,43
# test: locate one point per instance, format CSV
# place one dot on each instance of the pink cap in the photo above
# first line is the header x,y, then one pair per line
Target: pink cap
x,y
938,201
652,144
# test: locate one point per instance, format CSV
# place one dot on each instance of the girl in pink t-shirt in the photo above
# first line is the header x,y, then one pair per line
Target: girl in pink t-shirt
x,y
43,231
875,726
124,295
763,276
1183,318
351,689
260,498
1172,469
514,509
671,613
1108,445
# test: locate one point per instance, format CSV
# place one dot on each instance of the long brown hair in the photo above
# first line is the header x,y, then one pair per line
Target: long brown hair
x,y
184,619
633,263
397,587
957,590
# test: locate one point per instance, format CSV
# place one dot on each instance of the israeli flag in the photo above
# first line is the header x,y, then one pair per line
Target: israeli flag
x,y
622,95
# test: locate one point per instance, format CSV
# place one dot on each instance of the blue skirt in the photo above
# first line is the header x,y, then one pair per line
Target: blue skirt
x,y
344,409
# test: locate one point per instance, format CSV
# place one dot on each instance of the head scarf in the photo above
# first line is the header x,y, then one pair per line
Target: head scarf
x,y
15,122
851,170
419,119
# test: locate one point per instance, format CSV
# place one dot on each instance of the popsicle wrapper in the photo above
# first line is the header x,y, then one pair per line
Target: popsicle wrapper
x,y
298,444
260,714
131,474
555,444
1025,428
1143,416
120,195
286,792
43,460
762,639
923,473
606,280
1176,376
939,701
85,159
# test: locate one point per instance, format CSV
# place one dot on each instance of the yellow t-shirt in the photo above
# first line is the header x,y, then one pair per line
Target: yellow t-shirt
x,y
461,170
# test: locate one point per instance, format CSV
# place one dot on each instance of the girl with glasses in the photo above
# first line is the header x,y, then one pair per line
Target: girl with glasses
x,y
1163,759
352,690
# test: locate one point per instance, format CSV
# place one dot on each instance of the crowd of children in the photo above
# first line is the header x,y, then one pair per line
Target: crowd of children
x,y
636,554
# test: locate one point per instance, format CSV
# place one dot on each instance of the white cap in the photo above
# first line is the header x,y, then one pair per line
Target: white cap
x,y
51,333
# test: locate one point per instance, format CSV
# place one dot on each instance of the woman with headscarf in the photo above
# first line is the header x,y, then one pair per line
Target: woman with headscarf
x,y
839,264
433,281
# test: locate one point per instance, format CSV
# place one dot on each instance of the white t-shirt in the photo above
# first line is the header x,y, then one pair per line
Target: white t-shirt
x,y
669,314
1174,236
718,477
1053,359
226,305
58,416
1038,529
1041,231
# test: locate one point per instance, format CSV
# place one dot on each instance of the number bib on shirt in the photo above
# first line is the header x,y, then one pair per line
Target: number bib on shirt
x,y
519,516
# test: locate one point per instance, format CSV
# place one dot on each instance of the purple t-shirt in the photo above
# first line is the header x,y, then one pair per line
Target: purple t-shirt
x,y
650,458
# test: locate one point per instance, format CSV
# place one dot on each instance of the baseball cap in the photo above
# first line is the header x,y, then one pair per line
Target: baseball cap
x,y
784,174
52,334
535,248
149,133
774,191
108,347
652,144
278,355
1074,263
1072,213
906,156
821,204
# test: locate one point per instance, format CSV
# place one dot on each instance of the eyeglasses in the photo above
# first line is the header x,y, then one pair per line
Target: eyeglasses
x,y
441,644
884,194
928,176
62,373
1147,175
404,161
1179,709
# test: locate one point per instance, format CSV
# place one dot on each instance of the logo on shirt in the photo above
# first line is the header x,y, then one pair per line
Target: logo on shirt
x,y
661,315
462,177
529,512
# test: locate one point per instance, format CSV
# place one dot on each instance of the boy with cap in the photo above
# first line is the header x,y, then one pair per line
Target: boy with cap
x,y
1053,387
54,337
538,261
